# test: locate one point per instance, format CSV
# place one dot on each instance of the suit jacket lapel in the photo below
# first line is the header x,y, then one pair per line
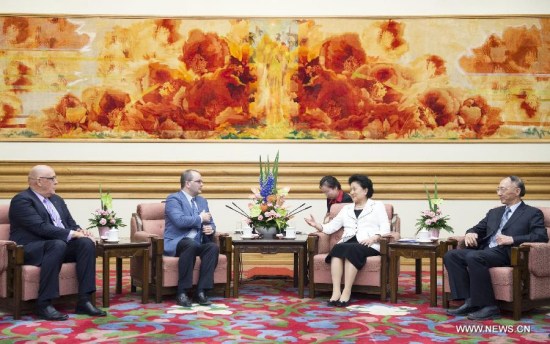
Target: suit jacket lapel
x,y
516,215
369,207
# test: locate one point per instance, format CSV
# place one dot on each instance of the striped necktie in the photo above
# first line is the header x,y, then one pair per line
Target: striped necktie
x,y
503,220
54,215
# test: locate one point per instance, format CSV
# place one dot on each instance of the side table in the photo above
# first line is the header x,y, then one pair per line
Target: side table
x,y
297,246
416,250
123,249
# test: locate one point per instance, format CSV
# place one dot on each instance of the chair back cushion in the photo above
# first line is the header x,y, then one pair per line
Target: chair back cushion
x,y
152,218
4,222
546,213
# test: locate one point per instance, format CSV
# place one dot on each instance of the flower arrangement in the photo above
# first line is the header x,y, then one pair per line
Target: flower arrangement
x,y
267,208
105,216
433,218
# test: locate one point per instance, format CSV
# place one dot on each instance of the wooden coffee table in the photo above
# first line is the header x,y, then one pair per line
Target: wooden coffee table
x,y
296,246
430,250
123,249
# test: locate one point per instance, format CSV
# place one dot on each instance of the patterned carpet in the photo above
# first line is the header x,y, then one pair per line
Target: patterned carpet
x,y
269,311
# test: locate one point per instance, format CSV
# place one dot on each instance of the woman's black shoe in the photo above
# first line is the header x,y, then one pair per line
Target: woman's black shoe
x,y
332,303
342,303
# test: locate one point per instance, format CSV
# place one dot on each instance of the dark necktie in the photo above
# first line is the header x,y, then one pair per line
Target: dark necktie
x,y
505,217
198,234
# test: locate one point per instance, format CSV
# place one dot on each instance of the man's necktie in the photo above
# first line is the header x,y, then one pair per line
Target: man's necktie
x,y
195,234
54,215
505,217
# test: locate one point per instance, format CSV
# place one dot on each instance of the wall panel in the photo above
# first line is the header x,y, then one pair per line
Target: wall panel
x,y
230,180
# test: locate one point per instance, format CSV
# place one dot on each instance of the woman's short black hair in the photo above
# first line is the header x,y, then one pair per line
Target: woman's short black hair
x,y
364,181
330,182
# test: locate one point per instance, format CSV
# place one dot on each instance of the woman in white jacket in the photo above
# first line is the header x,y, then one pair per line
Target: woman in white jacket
x,y
364,222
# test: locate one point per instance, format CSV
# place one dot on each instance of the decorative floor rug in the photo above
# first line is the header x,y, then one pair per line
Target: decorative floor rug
x,y
269,311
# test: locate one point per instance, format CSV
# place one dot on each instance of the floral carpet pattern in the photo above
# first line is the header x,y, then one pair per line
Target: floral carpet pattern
x,y
269,311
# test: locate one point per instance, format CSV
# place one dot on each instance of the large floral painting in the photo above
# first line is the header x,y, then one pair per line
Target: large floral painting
x,y
275,78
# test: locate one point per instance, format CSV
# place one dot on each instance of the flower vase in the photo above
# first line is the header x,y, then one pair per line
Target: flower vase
x,y
103,232
267,232
434,233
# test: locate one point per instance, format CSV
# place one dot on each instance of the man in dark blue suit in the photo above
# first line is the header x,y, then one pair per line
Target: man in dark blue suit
x,y
188,232
42,223
489,245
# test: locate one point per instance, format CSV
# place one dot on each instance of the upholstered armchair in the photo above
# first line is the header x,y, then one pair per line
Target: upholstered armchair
x,y
147,224
521,286
19,282
372,278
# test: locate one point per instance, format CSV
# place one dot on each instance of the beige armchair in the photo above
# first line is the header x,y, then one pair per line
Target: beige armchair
x,y
521,286
147,224
372,278
19,282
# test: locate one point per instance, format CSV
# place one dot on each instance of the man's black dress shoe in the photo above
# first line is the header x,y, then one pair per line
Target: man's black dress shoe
x,y
89,309
202,299
50,313
183,300
485,313
463,310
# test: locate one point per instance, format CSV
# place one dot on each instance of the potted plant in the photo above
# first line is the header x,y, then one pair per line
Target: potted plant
x,y
433,220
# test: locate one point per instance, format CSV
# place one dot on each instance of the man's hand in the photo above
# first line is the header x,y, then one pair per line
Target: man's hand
x,y
205,217
471,240
82,233
504,240
207,230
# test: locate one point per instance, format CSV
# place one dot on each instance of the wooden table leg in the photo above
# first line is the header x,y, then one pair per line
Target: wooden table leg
x,y
301,271
433,279
393,277
295,270
236,270
105,279
418,275
145,277
118,275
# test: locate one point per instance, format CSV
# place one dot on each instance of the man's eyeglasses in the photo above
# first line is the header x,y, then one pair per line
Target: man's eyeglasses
x,y
48,178
197,181
501,189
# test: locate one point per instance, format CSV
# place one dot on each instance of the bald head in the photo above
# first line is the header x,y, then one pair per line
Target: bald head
x,y
42,180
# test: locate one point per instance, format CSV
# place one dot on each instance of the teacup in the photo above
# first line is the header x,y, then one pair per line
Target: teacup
x,y
247,231
423,235
290,232
113,235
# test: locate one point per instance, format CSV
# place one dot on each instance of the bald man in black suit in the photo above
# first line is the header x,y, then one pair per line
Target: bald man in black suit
x,y
42,223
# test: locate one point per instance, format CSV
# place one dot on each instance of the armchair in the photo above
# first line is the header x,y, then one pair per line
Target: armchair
x,y
521,286
147,224
372,278
19,282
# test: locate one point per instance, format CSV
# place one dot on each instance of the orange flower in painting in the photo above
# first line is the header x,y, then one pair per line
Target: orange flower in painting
x,y
102,102
441,107
343,54
477,116
204,53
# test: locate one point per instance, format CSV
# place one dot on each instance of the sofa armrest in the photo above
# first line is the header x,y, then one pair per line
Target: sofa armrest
x,y
323,242
7,247
143,236
539,256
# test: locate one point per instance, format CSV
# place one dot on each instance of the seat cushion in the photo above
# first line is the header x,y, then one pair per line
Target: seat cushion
x,y
170,271
68,282
369,275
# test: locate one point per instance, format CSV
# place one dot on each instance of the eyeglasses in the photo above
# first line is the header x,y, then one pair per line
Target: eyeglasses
x,y
48,178
197,181
501,189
